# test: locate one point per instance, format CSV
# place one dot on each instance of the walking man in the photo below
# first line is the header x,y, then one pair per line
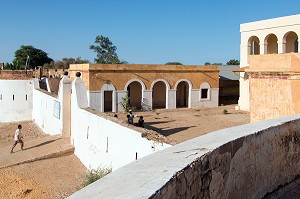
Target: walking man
x,y
18,138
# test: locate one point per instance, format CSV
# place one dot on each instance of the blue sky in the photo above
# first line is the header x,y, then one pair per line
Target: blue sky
x,y
144,31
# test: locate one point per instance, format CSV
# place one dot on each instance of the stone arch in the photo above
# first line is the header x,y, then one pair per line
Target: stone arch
x,y
135,88
290,42
253,46
183,94
271,42
160,89
135,80
108,98
205,91
162,80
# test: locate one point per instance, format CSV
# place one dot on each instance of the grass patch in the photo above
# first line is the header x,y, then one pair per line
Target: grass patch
x,y
95,174
225,111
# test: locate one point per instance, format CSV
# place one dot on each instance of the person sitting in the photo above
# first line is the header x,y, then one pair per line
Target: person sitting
x,y
130,119
141,122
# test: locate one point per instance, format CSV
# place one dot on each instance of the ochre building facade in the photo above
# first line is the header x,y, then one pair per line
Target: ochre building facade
x,y
271,36
274,85
149,86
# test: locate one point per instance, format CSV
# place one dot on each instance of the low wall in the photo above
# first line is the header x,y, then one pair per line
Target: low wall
x,y
15,100
247,161
46,112
16,74
99,141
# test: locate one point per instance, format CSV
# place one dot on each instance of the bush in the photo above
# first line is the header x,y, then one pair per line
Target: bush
x,y
125,103
225,111
95,174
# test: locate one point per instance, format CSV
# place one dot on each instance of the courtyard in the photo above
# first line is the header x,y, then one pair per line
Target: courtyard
x,y
183,124
36,179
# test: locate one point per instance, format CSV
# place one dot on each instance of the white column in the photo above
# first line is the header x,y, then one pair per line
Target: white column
x,y
64,95
244,55
114,102
172,99
167,98
262,48
79,90
147,100
119,95
280,46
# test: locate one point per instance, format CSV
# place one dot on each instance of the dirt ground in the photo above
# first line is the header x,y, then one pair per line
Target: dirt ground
x,y
7,132
184,124
44,179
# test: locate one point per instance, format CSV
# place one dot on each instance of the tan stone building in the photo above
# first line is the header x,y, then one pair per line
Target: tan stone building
x,y
149,86
274,85
271,36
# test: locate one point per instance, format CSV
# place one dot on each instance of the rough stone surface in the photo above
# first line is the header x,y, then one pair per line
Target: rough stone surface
x,y
16,74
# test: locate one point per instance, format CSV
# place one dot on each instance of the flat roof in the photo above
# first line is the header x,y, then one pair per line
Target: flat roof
x,y
143,67
271,23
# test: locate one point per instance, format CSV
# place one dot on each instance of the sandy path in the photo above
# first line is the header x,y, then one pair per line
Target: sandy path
x,y
43,179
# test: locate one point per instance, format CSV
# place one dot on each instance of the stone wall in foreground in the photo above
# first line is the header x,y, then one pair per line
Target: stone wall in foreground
x,y
247,161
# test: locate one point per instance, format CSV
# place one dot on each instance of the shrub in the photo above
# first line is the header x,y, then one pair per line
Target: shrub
x,y
225,111
125,103
95,174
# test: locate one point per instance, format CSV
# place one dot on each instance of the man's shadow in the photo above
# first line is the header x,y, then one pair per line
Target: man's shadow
x,y
41,144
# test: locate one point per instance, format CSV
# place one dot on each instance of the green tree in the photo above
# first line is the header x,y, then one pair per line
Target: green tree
x,y
173,63
216,64
37,57
233,62
9,66
106,51
207,63
67,61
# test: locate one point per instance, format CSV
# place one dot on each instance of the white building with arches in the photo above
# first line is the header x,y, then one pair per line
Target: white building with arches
x,y
271,36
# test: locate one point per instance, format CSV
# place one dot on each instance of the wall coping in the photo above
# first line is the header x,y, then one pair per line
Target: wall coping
x,y
145,176
145,68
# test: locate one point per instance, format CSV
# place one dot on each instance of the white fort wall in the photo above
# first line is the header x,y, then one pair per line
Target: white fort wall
x,y
101,142
15,100
46,112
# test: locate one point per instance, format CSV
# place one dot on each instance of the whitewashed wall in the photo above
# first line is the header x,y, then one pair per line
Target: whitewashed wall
x,y
43,113
15,100
101,142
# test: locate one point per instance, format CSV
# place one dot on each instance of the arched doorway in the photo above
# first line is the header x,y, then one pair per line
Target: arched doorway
x,y
159,94
182,94
271,42
291,42
134,90
253,46
108,98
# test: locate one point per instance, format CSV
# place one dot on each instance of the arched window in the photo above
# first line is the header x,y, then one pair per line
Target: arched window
x,y
271,42
253,46
204,91
290,41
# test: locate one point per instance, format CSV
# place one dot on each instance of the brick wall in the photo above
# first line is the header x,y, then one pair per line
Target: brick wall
x,y
16,74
